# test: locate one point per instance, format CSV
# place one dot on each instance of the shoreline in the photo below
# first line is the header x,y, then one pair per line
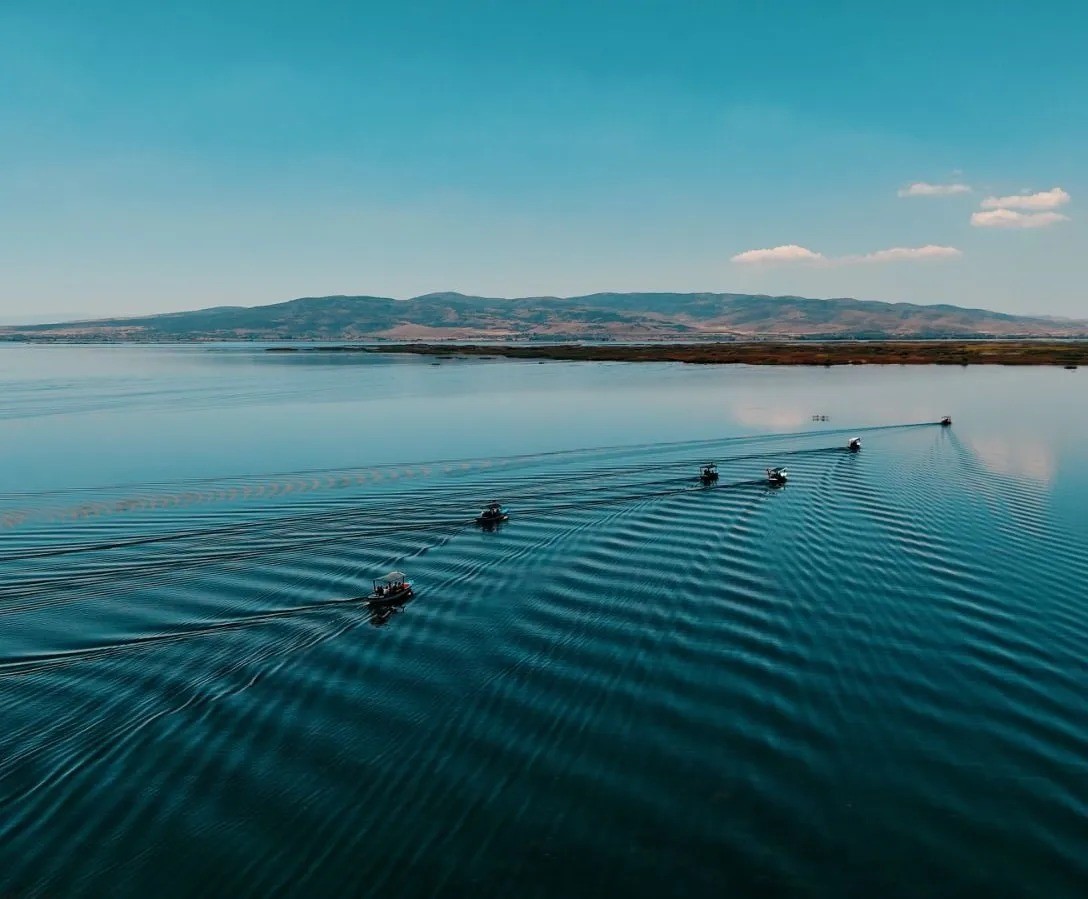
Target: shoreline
x,y
892,352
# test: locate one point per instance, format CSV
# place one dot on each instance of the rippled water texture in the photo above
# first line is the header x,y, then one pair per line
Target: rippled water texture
x,y
868,683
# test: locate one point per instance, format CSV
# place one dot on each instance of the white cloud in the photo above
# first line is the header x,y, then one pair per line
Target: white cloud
x,y
907,254
1044,199
791,253
923,189
788,253
1009,218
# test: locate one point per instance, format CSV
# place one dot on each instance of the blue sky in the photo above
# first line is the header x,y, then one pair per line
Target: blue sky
x,y
168,156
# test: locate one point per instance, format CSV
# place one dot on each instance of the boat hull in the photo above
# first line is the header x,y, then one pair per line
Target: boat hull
x,y
390,599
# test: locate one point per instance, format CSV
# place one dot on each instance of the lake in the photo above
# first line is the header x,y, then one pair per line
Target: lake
x,y
870,682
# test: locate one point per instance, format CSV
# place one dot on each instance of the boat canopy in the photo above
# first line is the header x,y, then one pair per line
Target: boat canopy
x,y
394,577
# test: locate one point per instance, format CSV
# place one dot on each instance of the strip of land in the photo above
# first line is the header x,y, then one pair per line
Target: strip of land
x,y
1064,353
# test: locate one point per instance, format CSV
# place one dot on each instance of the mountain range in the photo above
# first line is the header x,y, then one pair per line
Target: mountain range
x,y
601,316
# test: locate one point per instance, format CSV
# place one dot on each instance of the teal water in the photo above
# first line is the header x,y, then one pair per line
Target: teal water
x,y
870,682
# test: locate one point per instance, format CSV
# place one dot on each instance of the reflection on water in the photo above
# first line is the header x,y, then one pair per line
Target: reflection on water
x,y
770,418
869,682
380,615
1020,456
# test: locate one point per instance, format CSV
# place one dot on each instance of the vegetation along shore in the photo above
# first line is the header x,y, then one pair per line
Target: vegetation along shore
x,y
1064,353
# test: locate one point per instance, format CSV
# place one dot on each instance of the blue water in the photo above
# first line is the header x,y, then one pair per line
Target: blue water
x,y
869,682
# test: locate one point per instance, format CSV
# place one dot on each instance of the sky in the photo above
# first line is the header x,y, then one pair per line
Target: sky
x,y
158,157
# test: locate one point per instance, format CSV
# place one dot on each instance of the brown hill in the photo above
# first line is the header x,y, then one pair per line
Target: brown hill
x,y
604,316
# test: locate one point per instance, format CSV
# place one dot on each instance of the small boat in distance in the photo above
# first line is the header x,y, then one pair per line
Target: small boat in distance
x,y
854,444
776,477
493,513
709,473
946,421
391,588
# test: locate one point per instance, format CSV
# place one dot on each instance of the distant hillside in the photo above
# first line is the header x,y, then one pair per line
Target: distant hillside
x,y
602,316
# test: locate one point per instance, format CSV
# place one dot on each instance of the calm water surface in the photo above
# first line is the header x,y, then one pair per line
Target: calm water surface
x,y
869,683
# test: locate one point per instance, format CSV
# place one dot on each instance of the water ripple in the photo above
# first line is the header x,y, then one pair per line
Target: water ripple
x,y
670,674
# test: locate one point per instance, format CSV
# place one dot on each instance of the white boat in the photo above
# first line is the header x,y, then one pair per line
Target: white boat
x,y
776,477
392,588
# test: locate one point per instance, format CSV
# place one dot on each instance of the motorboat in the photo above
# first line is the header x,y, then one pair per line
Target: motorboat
x,y
776,477
493,513
390,589
854,444
709,473
946,421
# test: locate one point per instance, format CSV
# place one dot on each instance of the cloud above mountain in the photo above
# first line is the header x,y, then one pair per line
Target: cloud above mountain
x,y
794,254
1010,218
925,189
906,254
786,253
1024,210
1044,199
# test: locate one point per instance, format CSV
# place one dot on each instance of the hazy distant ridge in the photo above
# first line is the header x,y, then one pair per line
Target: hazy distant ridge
x,y
625,316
